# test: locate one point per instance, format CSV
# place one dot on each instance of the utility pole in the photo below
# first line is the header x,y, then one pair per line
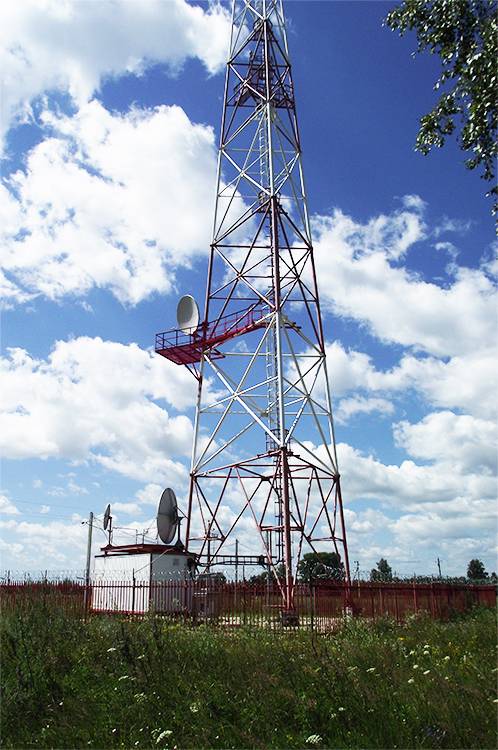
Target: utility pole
x,y
88,558
439,566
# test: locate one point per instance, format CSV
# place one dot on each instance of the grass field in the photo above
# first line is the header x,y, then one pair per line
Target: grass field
x,y
111,683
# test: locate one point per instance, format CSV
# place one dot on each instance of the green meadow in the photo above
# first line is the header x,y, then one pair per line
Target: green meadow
x,y
119,683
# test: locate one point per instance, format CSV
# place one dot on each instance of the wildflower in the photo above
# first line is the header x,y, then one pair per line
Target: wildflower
x,y
426,653
427,671
313,739
114,730
109,650
341,708
415,666
412,652
371,669
495,700
446,658
123,677
427,645
163,735
142,656
446,678
411,681
194,707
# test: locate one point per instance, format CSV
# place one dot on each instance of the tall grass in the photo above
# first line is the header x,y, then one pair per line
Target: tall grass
x,y
118,683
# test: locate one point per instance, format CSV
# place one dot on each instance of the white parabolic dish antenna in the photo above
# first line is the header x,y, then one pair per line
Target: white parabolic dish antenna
x,y
167,516
187,314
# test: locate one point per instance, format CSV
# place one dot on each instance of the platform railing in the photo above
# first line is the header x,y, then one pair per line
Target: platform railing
x,y
207,335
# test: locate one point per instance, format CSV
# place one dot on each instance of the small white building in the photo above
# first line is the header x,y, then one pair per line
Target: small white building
x,y
138,578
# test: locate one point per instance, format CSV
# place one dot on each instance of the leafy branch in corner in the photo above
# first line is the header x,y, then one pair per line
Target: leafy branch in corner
x,y
463,33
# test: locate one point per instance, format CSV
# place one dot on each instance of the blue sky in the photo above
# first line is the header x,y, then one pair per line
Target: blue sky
x,y
109,147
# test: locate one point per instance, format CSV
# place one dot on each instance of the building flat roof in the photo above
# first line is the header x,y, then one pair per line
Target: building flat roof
x,y
137,549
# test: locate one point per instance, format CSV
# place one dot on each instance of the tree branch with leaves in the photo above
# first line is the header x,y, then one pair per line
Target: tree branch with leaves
x,y
463,33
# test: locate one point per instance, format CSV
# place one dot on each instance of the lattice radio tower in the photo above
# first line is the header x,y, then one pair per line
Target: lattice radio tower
x,y
264,460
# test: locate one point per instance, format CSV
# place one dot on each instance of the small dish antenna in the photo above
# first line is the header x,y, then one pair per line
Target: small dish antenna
x,y
167,516
108,521
187,314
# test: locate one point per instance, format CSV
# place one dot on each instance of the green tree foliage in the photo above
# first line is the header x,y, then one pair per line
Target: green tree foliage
x,y
383,571
476,570
322,566
262,578
463,33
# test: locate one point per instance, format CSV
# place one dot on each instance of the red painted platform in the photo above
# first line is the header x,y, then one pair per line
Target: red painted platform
x,y
185,349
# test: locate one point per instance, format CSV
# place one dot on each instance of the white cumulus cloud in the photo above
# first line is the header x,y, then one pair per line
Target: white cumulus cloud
x,y
361,279
71,47
107,200
94,400
7,506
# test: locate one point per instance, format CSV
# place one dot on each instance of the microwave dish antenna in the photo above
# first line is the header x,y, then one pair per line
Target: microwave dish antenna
x,y
187,314
167,516
107,517
108,521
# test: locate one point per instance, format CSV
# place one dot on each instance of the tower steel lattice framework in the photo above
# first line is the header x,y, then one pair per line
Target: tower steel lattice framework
x,y
264,459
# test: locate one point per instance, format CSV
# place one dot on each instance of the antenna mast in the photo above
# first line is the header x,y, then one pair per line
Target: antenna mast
x,y
264,463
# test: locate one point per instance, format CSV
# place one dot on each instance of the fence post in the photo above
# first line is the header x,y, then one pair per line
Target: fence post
x,y
415,602
133,594
88,562
312,606
396,610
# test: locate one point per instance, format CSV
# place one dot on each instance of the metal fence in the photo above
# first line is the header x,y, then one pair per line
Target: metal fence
x,y
318,607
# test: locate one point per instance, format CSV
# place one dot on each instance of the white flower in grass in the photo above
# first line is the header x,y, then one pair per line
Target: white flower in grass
x,y
411,681
194,707
415,666
446,658
427,671
371,669
313,739
110,650
163,735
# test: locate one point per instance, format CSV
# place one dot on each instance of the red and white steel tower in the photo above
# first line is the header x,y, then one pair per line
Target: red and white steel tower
x,y
264,460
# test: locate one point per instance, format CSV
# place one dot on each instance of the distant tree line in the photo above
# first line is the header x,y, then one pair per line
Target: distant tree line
x,y
314,568
475,572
